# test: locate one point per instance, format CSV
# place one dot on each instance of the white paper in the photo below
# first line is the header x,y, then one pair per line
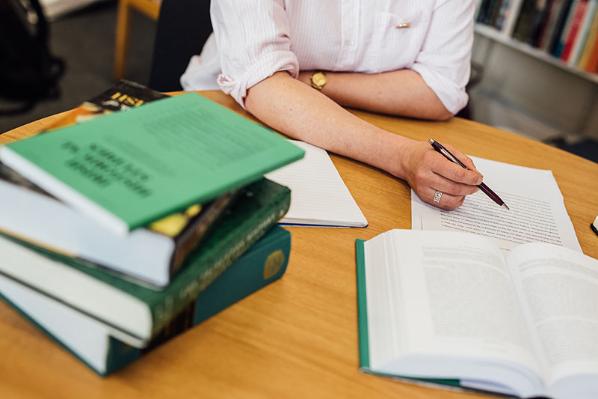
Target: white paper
x,y
537,211
319,196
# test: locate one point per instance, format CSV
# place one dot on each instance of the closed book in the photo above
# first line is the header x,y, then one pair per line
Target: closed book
x,y
551,24
122,96
561,40
128,169
523,30
134,313
513,10
584,58
561,21
151,254
576,23
264,263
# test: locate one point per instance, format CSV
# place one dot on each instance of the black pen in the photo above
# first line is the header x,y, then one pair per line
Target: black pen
x,y
484,188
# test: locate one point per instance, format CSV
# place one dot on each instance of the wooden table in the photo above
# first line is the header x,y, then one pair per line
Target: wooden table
x,y
297,337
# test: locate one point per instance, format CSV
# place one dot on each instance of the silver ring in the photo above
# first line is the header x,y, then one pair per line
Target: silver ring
x,y
437,197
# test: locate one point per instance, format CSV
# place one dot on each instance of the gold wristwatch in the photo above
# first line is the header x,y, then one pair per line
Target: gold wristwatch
x,y
318,80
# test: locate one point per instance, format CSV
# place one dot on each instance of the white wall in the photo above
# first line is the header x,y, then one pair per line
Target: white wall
x,y
532,97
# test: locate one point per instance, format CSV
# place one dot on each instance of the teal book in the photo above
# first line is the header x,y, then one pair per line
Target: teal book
x,y
133,313
363,332
262,264
127,169
455,310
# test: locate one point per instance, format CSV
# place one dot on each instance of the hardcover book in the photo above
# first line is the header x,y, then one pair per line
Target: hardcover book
x,y
453,309
133,313
262,264
128,169
151,254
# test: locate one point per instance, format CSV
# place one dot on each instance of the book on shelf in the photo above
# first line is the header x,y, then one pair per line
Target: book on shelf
x,y
135,314
128,169
151,254
561,28
585,25
590,44
452,309
92,343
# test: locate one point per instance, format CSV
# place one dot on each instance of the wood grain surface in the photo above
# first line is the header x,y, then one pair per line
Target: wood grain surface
x,y
297,338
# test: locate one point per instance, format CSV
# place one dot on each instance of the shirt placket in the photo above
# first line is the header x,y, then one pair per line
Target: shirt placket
x,y
349,31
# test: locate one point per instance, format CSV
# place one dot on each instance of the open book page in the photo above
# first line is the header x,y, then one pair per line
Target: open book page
x,y
446,296
537,214
319,197
559,289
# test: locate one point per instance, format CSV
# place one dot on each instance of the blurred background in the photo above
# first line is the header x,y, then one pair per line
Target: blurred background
x,y
535,62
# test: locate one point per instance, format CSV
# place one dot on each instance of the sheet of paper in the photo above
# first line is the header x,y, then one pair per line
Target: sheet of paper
x,y
319,196
537,214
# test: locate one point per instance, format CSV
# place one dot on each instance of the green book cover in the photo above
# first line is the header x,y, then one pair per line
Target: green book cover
x,y
262,264
257,209
128,169
362,327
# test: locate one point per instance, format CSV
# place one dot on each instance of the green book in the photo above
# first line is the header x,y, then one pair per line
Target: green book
x,y
363,332
128,169
133,313
454,309
262,264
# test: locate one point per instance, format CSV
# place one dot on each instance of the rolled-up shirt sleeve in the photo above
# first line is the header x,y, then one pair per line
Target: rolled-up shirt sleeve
x,y
444,61
253,41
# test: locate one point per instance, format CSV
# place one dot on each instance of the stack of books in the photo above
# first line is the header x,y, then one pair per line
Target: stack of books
x,y
126,223
565,29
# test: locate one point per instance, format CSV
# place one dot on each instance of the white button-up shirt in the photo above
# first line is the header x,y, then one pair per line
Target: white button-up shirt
x,y
253,39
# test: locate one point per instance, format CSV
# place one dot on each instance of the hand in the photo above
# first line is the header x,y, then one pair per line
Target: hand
x,y
427,171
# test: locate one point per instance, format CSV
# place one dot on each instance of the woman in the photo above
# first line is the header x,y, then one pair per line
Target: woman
x,y
294,63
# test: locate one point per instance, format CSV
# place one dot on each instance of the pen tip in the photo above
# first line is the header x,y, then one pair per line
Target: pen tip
x,y
431,141
506,206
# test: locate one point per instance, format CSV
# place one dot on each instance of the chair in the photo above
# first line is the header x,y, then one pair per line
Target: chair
x,y
150,8
183,28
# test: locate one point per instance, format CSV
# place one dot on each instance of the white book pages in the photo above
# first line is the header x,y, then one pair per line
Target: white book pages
x,y
537,210
319,197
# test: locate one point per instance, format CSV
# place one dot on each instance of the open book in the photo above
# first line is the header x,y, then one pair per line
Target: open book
x,y
452,308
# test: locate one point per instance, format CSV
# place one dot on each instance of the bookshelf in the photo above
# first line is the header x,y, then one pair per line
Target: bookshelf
x,y
561,33
500,37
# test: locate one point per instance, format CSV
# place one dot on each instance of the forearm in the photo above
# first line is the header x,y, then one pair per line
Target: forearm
x,y
401,92
303,113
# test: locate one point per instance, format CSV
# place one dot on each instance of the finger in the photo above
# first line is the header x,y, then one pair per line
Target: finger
x,y
447,202
450,187
462,157
454,172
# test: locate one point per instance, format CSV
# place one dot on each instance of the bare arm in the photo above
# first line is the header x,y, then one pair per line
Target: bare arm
x,y
301,112
401,92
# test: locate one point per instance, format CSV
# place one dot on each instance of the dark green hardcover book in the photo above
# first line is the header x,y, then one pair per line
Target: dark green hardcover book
x,y
138,313
261,265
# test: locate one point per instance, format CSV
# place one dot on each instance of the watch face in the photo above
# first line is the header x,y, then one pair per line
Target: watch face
x,y
319,79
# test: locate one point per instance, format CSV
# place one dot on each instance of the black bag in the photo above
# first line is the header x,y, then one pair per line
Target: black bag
x,y
28,71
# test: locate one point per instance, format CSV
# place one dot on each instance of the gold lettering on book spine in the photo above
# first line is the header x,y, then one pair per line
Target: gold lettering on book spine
x,y
273,264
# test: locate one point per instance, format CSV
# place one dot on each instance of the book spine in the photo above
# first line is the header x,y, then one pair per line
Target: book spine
x,y
584,62
578,17
512,13
265,263
193,234
560,27
551,24
568,23
583,34
183,291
